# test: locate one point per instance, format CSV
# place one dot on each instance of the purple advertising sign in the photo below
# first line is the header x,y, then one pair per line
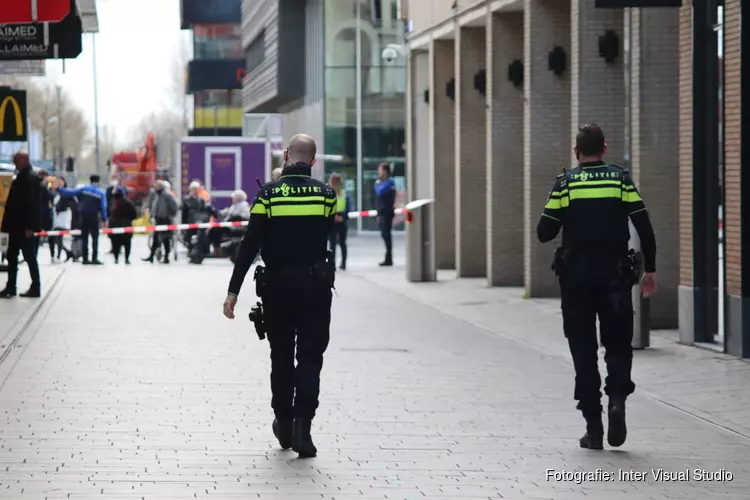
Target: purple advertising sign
x,y
223,165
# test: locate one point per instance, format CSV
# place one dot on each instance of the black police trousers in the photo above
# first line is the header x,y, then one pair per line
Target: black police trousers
x,y
90,228
598,288
297,314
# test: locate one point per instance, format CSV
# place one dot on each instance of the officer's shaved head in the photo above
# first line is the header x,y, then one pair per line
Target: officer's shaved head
x,y
301,149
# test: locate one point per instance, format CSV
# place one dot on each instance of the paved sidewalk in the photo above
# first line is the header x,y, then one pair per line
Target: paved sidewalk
x,y
131,385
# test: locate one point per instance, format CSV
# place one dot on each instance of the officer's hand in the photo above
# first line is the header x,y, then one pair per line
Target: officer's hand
x,y
339,218
648,284
229,304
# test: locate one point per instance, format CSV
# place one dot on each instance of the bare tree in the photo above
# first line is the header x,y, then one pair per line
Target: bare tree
x,y
177,97
53,117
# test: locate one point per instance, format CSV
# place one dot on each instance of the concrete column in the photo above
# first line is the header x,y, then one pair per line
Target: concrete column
x,y
443,144
655,129
504,154
546,130
597,86
471,152
685,79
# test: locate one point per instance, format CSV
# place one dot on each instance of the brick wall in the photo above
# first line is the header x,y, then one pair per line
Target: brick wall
x,y
732,130
471,152
596,85
655,144
504,156
546,131
443,153
686,144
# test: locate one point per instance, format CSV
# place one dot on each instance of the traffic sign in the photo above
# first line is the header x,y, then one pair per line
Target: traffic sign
x,y
30,11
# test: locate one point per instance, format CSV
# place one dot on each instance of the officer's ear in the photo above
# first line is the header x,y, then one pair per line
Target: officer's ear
x,y
312,162
604,150
286,156
575,152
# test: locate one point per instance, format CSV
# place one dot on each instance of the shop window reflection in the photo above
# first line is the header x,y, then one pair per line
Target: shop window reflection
x,y
217,41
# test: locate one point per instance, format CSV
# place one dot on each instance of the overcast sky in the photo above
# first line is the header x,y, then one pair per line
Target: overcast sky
x,y
137,40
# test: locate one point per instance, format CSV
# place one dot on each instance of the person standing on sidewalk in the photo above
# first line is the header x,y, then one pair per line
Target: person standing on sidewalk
x,y
343,206
62,220
22,218
289,223
92,206
164,209
592,204
122,215
385,189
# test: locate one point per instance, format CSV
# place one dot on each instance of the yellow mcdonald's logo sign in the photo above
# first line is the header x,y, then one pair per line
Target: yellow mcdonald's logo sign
x,y
17,112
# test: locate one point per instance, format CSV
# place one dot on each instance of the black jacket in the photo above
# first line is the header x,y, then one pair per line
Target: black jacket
x,y
22,209
195,210
289,224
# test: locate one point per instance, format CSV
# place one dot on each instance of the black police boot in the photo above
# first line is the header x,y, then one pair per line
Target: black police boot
x,y
594,437
7,293
284,432
302,440
617,431
33,293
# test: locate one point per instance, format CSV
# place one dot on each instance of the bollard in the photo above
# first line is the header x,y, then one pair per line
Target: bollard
x,y
420,248
641,310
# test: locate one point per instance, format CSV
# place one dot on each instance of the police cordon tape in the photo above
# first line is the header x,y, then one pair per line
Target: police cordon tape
x,y
407,210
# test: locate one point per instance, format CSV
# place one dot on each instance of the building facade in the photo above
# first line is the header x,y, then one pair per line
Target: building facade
x,y
321,68
497,89
217,70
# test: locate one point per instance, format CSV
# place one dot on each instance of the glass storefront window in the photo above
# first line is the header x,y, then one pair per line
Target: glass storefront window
x,y
383,97
217,41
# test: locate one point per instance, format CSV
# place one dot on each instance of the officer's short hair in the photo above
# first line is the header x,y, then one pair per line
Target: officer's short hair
x,y
590,140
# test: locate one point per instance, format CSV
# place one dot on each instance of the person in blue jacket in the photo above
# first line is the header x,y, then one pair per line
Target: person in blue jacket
x,y
92,205
385,189
343,206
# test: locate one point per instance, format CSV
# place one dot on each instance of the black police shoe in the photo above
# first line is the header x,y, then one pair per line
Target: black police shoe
x,y
617,431
594,437
32,293
284,432
302,440
7,293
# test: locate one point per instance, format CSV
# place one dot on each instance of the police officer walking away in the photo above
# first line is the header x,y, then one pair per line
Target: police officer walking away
x,y
290,221
592,204
92,205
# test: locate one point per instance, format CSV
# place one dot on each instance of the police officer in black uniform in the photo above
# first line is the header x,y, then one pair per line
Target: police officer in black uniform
x,y
592,204
290,221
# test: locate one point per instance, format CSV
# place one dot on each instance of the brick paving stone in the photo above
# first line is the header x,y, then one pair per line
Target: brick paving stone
x,y
130,384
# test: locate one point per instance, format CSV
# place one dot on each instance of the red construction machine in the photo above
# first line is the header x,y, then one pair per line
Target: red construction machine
x,y
137,170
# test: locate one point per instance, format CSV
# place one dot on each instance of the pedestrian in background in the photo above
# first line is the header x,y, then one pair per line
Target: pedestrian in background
x,y
340,226
122,215
592,204
46,197
22,218
385,189
92,206
163,211
62,220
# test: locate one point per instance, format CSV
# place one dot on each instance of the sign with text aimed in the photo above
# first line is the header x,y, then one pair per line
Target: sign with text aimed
x,y
12,115
30,11
621,4
35,41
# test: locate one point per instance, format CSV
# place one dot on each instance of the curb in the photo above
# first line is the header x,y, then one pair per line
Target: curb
x,y
26,322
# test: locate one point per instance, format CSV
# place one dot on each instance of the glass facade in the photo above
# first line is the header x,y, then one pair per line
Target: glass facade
x,y
217,41
383,86
218,108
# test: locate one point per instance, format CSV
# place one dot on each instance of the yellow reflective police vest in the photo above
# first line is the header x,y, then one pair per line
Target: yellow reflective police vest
x,y
341,202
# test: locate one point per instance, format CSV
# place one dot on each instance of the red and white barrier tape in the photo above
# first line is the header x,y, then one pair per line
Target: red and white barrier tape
x,y
208,225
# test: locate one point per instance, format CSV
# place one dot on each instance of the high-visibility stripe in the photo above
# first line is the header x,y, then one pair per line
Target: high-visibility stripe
x,y
557,203
300,210
297,199
259,209
595,193
576,184
631,197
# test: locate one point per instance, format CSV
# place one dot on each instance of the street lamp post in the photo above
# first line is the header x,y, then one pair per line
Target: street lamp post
x,y
96,105
358,58
60,166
